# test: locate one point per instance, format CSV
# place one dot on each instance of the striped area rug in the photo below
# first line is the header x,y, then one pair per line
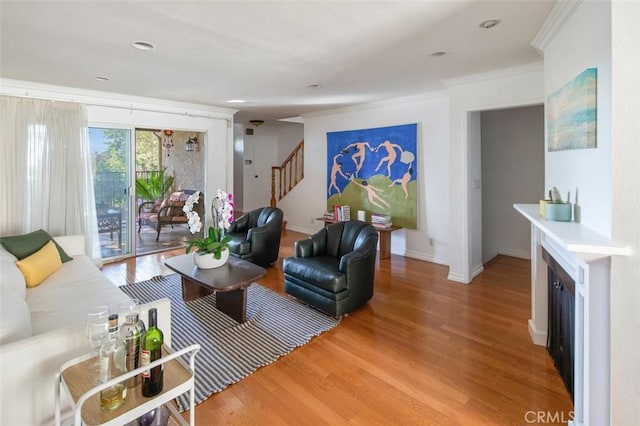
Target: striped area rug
x,y
231,351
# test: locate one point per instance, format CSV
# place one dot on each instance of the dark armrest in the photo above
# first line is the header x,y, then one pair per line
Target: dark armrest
x,y
258,233
240,224
359,267
362,259
350,260
303,248
144,204
315,245
164,212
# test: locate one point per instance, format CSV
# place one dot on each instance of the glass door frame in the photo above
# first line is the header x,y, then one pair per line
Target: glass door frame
x,y
129,240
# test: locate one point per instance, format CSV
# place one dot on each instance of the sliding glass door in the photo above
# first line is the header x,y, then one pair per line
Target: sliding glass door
x,y
112,183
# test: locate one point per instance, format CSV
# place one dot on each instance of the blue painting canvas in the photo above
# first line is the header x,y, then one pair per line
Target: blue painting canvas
x,y
375,170
571,113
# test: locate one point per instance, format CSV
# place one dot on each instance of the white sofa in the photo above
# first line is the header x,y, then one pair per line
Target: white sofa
x,y
43,327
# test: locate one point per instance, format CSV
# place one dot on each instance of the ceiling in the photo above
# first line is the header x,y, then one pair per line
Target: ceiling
x,y
265,52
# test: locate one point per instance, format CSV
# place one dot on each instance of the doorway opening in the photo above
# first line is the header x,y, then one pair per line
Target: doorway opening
x,y
141,177
512,171
169,166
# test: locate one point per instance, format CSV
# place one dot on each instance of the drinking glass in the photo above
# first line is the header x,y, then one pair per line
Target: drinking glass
x,y
125,308
97,330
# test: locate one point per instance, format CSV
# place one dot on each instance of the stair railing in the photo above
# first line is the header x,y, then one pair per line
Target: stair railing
x,y
288,174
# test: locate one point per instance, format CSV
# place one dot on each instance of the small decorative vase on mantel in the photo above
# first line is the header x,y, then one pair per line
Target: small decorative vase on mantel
x,y
209,261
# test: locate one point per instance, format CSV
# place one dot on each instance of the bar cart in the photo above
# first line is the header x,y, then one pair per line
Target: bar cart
x,y
79,382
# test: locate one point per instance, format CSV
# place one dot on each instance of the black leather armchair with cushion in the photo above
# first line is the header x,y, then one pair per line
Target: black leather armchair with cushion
x,y
333,269
255,236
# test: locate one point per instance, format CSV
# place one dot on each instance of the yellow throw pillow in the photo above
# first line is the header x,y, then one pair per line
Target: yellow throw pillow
x,y
37,267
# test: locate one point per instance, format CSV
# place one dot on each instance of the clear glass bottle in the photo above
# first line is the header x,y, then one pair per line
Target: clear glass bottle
x,y
112,364
131,334
152,379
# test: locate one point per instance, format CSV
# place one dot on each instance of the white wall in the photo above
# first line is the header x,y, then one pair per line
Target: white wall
x,y
512,172
288,137
474,134
308,200
625,271
238,166
605,35
519,86
260,150
187,166
584,42
267,147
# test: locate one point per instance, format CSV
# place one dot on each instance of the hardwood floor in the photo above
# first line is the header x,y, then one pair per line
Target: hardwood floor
x,y
423,351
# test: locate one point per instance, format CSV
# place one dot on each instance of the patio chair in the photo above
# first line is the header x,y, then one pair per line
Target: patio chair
x,y
160,212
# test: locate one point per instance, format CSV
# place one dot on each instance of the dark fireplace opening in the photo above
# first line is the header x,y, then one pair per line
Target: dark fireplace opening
x,y
561,312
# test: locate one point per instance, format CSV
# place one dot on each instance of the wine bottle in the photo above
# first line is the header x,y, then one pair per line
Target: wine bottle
x,y
112,365
152,379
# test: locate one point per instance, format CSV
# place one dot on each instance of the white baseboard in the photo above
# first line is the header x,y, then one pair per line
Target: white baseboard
x,y
301,229
538,337
459,278
520,254
477,270
424,256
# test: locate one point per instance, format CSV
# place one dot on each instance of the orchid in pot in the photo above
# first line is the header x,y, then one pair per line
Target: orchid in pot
x,y
214,241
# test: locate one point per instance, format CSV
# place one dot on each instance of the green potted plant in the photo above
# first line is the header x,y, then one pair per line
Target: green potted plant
x,y
213,249
157,186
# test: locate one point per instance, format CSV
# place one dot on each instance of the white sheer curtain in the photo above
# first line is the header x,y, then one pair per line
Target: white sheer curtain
x,y
45,170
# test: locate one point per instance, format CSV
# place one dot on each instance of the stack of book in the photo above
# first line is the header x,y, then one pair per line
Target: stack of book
x,y
341,213
380,220
327,215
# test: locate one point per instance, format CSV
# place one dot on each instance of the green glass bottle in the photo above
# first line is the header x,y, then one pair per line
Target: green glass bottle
x,y
152,380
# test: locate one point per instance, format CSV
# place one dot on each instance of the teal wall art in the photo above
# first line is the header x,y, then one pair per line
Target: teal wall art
x,y
571,113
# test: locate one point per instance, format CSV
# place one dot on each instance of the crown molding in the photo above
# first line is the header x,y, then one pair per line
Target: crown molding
x,y
379,104
29,89
558,17
495,74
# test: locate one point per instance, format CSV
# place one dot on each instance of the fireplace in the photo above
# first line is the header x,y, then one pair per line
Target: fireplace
x,y
585,257
561,319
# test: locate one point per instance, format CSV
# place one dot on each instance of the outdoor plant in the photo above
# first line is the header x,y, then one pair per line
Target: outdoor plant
x,y
157,186
214,241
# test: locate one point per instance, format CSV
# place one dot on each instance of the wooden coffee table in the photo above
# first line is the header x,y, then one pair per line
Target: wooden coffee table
x,y
229,282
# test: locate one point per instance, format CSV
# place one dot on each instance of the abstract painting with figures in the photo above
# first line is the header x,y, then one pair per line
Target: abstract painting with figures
x,y
375,170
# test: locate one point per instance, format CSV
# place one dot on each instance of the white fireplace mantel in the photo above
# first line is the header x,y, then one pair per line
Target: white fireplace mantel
x,y
572,236
586,256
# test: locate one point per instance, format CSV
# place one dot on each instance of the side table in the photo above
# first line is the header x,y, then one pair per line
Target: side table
x,y
385,236
79,382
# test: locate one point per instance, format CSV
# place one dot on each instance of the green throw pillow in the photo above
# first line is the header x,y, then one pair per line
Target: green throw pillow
x,y
25,245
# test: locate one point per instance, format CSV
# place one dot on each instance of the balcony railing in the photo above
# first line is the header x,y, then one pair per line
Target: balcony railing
x,y
109,188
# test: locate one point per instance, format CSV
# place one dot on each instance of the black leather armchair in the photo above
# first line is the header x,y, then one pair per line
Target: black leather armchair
x,y
333,269
255,236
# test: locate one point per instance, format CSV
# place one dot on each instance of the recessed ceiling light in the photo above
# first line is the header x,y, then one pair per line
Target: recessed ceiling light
x,y
440,53
100,78
489,23
142,45
236,101
314,86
